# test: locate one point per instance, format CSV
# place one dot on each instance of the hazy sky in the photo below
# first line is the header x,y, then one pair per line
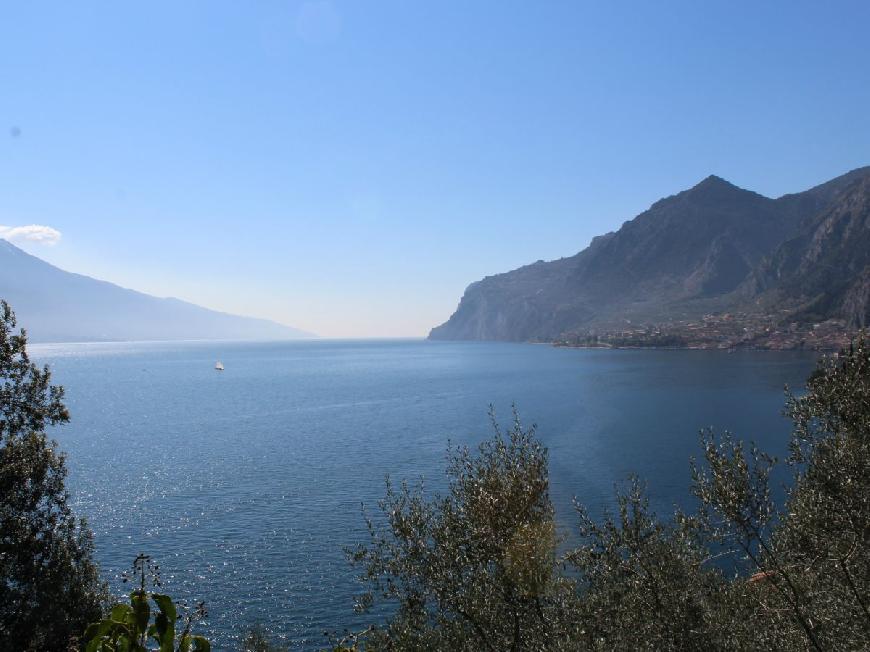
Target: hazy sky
x,y
349,167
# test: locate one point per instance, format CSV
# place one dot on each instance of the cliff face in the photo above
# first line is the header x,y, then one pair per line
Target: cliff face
x,y
688,253
823,271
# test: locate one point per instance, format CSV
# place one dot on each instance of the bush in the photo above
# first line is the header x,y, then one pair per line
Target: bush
x,y
475,569
257,640
478,569
149,617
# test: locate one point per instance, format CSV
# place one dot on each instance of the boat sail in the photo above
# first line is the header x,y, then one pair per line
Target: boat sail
x,y
219,366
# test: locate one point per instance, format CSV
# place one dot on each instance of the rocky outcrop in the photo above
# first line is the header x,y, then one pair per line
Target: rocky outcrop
x,y
823,272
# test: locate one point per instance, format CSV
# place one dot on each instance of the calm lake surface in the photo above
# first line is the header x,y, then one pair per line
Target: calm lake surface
x,y
246,485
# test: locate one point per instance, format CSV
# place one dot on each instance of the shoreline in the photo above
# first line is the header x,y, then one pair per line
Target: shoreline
x,y
724,349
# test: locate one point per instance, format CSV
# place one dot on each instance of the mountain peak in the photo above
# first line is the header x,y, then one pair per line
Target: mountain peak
x,y
716,189
684,256
714,181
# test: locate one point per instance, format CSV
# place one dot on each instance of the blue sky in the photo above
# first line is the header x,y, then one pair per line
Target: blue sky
x,y
350,167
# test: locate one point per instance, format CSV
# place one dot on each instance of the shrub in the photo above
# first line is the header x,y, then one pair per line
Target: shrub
x,y
149,617
478,569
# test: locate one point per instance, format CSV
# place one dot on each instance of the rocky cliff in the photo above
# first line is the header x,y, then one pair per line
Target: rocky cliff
x,y
823,271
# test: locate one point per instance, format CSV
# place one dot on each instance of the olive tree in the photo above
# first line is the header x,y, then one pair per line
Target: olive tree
x,y
476,568
810,560
644,583
825,533
257,639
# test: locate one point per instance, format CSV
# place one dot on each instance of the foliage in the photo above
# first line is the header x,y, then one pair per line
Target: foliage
x,y
257,640
149,617
474,569
824,542
49,585
478,569
644,583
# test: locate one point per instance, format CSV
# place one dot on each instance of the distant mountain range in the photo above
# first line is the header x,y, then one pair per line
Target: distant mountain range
x,y
58,306
802,257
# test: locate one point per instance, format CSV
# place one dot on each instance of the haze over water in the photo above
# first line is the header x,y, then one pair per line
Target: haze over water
x,y
246,485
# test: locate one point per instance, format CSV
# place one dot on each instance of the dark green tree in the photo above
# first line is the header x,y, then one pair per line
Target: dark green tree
x,y
49,585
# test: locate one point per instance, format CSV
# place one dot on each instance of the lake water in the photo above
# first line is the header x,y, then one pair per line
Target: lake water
x,y
246,485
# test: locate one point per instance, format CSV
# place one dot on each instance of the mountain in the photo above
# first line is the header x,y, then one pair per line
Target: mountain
x,y
58,306
823,272
688,254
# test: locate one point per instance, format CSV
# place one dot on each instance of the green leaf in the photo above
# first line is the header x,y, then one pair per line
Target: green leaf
x,y
159,628
96,631
166,606
94,645
120,613
165,622
141,611
106,627
201,644
91,631
165,633
123,630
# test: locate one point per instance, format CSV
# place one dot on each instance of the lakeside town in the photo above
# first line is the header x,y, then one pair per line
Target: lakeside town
x,y
720,331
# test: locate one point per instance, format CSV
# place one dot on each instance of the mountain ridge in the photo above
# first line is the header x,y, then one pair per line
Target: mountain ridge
x,y
56,306
687,254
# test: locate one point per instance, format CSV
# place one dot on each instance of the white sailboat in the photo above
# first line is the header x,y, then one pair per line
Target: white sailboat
x,y
219,366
